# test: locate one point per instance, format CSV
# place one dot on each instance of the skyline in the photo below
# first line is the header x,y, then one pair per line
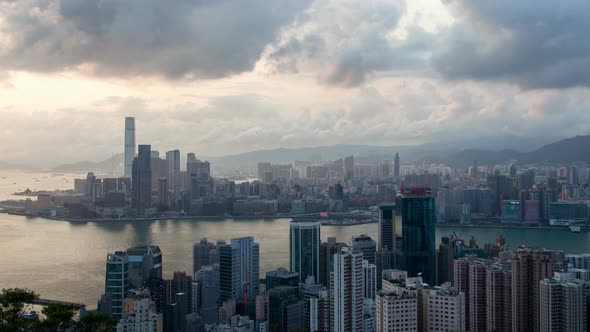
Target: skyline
x,y
377,73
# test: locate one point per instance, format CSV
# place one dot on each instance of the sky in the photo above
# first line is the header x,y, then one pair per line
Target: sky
x,y
219,77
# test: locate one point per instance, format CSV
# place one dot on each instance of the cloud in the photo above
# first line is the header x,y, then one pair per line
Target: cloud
x,y
348,41
173,39
534,44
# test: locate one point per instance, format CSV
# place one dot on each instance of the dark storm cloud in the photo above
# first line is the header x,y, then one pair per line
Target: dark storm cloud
x,y
173,38
533,43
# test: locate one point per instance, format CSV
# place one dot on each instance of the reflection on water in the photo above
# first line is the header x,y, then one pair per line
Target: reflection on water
x,y
66,260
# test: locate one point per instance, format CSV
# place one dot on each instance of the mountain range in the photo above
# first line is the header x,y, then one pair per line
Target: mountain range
x,y
565,151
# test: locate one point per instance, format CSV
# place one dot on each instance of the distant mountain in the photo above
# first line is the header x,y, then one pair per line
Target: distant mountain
x,y
483,157
109,166
11,167
566,151
455,154
569,150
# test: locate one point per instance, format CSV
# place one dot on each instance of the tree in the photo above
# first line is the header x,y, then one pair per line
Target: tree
x,y
96,321
58,318
12,303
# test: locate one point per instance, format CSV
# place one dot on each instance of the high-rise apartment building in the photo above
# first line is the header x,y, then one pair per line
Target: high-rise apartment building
x,y
418,228
529,267
116,280
499,299
129,145
346,290
141,181
396,312
304,250
369,280
327,251
239,268
139,314
443,309
562,306
477,297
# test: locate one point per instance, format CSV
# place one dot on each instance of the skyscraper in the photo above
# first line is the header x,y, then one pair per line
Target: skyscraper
x,y
208,284
144,262
327,251
367,245
285,309
173,159
239,268
116,280
529,267
163,192
369,280
418,228
562,306
304,250
141,182
349,168
129,145
204,254
396,165
346,291
386,226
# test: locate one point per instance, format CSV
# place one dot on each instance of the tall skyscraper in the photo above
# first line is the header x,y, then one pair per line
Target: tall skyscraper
x,y
198,176
529,267
367,245
285,309
418,228
386,226
141,182
239,269
144,262
208,292
396,312
204,253
116,280
173,159
442,309
346,291
304,250
163,197
129,145
349,168
499,299
369,280
327,251
396,165
562,306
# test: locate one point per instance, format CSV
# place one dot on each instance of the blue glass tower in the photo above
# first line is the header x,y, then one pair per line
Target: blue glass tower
x,y
418,229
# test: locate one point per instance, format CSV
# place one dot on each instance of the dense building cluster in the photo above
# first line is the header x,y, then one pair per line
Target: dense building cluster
x,y
401,282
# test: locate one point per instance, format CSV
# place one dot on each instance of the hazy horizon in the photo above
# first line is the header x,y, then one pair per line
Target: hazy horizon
x,y
222,78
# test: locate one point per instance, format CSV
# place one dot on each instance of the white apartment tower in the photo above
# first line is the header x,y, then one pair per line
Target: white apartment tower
x,y
346,291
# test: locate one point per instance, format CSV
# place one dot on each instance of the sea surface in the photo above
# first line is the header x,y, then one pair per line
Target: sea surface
x,y
66,261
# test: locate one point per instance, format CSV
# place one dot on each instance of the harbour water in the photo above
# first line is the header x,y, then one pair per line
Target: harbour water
x,y
66,261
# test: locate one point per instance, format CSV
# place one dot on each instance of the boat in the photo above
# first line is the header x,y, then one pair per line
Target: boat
x,y
575,229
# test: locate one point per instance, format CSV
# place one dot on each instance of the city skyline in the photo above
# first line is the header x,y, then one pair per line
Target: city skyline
x,y
399,61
